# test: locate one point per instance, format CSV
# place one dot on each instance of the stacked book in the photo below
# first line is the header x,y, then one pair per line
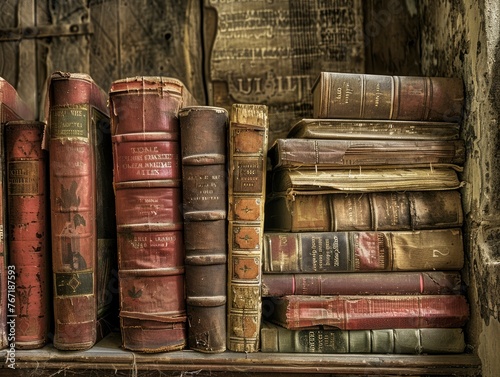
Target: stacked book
x,y
362,238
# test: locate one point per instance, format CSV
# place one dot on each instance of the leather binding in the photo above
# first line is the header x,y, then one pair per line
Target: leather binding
x,y
313,252
384,341
248,145
367,312
361,283
369,96
81,204
204,185
12,107
383,210
148,194
28,232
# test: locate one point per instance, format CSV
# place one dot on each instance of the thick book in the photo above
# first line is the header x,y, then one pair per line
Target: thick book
x,y
367,312
370,96
83,231
391,210
204,201
361,283
148,194
12,107
359,180
325,153
248,141
439,340
422,250
379,129
28,232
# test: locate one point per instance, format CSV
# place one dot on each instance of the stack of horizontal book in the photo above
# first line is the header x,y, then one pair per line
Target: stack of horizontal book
x,y
363,245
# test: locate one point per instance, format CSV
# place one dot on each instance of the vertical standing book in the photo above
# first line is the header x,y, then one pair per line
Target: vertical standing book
x,y
248,141
204,183
28,230
82,210
12,107
148,194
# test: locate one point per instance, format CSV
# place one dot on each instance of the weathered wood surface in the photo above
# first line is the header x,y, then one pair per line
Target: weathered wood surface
x,y
107,358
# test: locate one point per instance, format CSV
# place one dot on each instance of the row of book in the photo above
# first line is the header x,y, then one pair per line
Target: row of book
x,y
141,205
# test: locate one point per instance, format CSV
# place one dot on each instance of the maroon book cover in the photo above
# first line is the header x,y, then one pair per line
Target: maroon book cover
x,y
148,195
82,209
364,312
12,107
362,283
28,231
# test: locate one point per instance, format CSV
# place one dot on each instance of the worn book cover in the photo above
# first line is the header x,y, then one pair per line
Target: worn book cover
x,y
12,107
275,338
382,210
369,96
248,138
147,177
82,210
204,202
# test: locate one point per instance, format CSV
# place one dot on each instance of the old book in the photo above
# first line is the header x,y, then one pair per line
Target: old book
x,y
28,232
361,283
12,107
325,153
204,200
439,340
358,180
248,139
391,210
83,230
148,193
381,129
422,250
369,96
367,312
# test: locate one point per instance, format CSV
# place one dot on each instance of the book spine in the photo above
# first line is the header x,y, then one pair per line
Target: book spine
x,y
367,96
147,177
313,252
73,105
248,140
410,210
359,283
368,312
204,183
28,231
344,153
385,341
12,107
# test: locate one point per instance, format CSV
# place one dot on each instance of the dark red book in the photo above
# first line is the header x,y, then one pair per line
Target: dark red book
x,y
148,194
364,312
362,283
12,107
82,210
28,232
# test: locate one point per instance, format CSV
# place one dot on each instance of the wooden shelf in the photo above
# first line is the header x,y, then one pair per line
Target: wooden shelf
x,y
107,358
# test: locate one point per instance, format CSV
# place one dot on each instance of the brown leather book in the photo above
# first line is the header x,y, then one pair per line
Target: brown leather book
x,y
367,312
439,340
362,283
28,232
325,153
391,210
310,128
204,200
148,194
248,139
82,210
12,107
422,250
369,96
